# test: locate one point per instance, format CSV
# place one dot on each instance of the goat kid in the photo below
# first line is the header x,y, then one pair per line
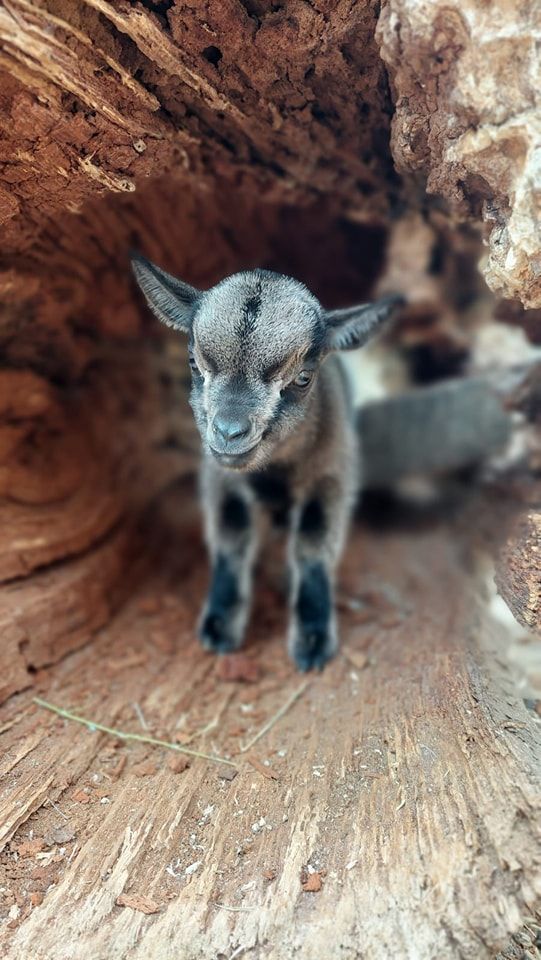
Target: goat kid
x,y
271,403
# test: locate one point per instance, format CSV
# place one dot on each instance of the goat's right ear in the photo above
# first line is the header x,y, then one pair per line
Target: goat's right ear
x,y
170,299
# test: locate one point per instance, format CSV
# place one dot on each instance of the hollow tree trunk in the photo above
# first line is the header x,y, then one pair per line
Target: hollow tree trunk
x,y
343,143
243,105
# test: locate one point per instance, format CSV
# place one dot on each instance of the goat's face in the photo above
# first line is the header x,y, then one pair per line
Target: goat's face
x,y
255,346
256,341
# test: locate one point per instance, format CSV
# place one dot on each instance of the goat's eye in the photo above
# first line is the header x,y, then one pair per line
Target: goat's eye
x,y
193,365
303,380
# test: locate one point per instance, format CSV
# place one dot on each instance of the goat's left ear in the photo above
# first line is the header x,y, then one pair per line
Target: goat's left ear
x,y
352,327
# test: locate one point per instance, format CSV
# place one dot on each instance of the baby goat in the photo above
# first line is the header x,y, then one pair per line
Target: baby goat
x,y
271,404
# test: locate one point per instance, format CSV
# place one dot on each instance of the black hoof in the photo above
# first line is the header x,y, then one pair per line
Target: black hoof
x,y
214,636
313,651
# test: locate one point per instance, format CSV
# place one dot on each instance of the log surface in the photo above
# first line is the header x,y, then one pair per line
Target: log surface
x,y
403,782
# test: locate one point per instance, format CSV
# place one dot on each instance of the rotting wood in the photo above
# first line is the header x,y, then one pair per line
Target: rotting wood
x,y
404,778
518,574
118,72
22,809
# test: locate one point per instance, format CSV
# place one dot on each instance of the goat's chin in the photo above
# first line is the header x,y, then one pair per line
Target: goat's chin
x,y
255,459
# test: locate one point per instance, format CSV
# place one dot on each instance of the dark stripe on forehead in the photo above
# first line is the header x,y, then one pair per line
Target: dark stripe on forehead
x,y
250,312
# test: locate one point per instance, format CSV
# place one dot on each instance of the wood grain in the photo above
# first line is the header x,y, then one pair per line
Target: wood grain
x,y
411,786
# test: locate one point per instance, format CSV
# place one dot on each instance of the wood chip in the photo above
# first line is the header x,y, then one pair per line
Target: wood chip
x,y
184,737
29,848
81,796
36,897
136,902
267,772
269,874
227,773
177,764
312,882
147,768
238,668
116,771
357,658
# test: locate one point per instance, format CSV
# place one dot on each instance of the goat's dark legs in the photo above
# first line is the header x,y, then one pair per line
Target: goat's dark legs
x,y
232,541
319,525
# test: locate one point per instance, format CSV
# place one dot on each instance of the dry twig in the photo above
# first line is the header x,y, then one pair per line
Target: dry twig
x,y
121,735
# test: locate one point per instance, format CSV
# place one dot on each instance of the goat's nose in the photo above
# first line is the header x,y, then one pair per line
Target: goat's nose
x,y
229,428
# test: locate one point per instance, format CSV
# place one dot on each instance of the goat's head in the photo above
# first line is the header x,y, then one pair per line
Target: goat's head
x,y
256,342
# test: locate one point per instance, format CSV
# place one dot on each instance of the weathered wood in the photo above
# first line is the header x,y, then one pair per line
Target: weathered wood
x,y
133,92
58,610
411,785
85,462
518,568
518,573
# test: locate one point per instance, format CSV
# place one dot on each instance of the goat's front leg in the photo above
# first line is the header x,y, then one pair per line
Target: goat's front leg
x,y
232,541
319,526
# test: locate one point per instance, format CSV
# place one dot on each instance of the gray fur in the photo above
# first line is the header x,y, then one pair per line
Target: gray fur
x,y
432,430
254,340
